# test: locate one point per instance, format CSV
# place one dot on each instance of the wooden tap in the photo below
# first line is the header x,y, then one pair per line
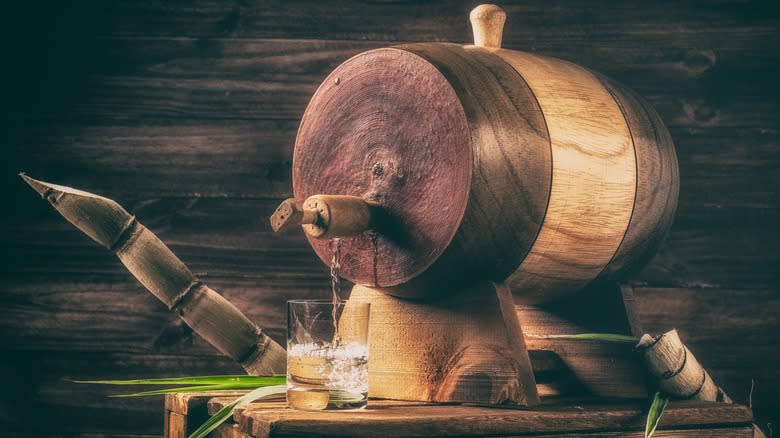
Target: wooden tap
x,y
324,216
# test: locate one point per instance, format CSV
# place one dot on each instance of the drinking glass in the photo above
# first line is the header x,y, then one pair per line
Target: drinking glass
x,y
327,355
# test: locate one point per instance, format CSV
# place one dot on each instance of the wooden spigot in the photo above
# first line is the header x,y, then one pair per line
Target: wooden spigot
x,y
324,216
487,22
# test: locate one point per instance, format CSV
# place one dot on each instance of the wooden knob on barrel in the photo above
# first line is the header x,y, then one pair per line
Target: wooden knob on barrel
x,y
324,216
487,22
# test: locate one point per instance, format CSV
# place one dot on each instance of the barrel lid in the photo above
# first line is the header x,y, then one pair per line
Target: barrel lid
x,y
387,126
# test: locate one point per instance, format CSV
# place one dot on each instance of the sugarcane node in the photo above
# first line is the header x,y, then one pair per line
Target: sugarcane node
x,y
166,277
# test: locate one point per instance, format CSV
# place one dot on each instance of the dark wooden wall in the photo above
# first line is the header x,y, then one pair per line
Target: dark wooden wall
x,y
186,112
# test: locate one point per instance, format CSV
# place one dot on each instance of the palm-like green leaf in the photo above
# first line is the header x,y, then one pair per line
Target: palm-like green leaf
x,y
194,384
225,413
197,380
654,414
600,337
199,388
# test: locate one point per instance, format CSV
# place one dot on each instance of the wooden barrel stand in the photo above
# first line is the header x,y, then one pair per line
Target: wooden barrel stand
x,y
467,347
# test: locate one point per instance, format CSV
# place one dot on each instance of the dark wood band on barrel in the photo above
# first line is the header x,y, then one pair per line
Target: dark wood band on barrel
x,y
657,186
388,127
511,165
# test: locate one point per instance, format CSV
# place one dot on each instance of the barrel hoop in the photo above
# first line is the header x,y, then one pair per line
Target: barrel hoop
x,y
512,160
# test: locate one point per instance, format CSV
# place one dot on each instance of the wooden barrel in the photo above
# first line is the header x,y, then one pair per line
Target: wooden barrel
x,y
486,163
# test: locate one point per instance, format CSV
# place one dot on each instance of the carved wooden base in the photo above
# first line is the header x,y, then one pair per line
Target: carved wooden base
x,y
467,347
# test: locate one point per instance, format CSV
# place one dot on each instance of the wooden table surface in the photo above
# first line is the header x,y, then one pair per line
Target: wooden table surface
x,y
389,418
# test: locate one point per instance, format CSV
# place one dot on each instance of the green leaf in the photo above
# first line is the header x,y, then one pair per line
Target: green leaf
x,y
198,388
194,384
227,411
197,380
654,414
602,337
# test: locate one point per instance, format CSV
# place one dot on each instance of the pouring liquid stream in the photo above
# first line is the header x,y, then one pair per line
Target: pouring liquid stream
x,y
335,282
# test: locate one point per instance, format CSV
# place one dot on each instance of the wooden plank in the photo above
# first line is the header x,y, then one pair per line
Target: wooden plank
x,y
62,317
717,248
429,21
393,418
253,68
228,431
58,273
186,411
722,167
176,425
230,238
50,300
692,83
138,99
175,160
712,160
27,434
729,432
186,403
720,432
205,229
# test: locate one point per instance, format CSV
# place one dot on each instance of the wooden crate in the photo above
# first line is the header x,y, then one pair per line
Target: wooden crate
x,y
556,417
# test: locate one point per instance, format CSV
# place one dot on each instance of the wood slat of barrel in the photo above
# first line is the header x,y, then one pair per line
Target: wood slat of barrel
x,y
593,180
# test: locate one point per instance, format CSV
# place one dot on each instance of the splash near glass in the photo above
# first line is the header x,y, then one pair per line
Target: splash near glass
x,y
327,355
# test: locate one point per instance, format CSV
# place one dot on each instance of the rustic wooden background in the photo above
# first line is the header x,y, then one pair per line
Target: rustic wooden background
x,y
186,112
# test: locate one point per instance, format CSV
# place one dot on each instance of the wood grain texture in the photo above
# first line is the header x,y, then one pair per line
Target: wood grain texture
x,y
395,418
467,347
187,114
185,412
657,181
510,181
593,178
438,20
351,142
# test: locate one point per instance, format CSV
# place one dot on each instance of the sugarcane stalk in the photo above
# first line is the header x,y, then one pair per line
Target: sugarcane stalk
x,y
676,369
158,269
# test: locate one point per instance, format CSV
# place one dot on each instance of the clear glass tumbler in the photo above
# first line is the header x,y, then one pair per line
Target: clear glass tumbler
x,y
327,355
